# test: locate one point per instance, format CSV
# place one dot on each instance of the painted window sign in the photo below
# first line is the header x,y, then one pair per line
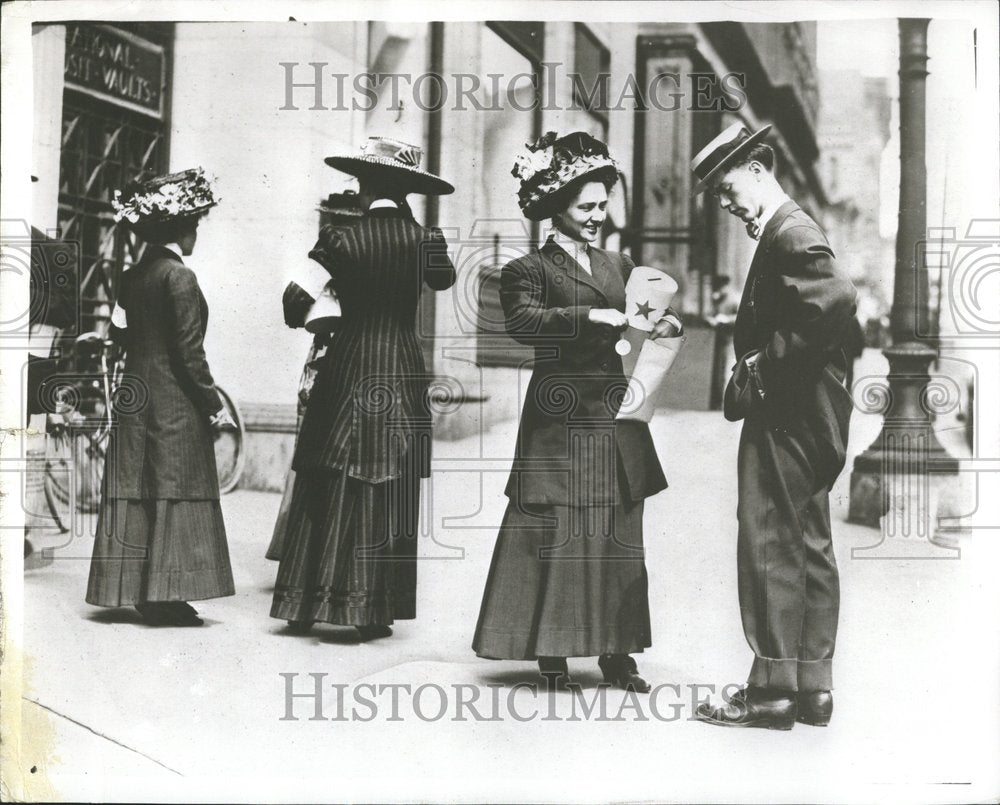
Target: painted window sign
x,y
116,66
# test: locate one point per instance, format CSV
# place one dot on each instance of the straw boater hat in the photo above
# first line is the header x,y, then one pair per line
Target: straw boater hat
x,y
162,198
722,153
396,158
553,168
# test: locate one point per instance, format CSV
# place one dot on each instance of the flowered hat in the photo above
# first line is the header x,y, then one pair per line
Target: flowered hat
x,y
395,158
553,167
164,197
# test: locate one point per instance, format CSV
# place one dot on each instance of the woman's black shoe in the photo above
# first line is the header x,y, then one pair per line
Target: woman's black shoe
x,y
152,614
373,631
169,613
556,672
300,627
621,671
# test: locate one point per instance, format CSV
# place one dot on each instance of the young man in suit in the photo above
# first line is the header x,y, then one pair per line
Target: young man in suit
x,y
788,388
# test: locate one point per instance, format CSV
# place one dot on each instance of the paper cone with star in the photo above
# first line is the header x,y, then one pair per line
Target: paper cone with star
x,y
648,376
648,294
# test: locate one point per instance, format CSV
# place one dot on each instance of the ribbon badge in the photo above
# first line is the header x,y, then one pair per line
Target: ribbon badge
x,y
409,155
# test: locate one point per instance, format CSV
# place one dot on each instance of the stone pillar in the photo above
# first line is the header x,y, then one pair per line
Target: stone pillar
x,y
906,453
48,53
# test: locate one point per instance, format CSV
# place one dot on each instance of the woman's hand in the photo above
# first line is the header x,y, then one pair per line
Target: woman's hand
x,y
608,316
221,420
669,325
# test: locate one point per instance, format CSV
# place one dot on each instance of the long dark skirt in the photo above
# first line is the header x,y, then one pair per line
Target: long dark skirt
x,y
350,553
565,581
276,548
159,550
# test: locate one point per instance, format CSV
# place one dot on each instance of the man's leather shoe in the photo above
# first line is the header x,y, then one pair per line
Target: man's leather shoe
x,y
752,707
815,707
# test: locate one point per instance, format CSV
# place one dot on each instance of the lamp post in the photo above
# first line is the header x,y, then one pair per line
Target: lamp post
x,y
907,445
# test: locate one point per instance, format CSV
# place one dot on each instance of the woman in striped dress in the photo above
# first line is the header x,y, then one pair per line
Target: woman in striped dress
x,y
351,537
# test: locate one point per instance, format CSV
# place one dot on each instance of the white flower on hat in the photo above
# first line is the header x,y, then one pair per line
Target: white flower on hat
x,y
522,167
540,160
192,192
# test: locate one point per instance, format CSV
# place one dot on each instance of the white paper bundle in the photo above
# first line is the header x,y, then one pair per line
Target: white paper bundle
x,y
312,278
634,339
324,313
646,379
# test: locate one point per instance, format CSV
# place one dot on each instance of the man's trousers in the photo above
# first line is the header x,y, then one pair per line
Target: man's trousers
x,y
788,581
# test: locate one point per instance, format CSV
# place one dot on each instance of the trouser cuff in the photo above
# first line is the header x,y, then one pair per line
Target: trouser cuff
x,y
815,675
793,675
767,672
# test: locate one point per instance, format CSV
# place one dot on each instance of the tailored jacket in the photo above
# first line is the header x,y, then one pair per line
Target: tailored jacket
x,y
368,411
796,310
570,450
163,444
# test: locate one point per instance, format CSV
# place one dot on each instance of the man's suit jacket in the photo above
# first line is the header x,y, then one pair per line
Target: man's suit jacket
x,y
569,446
163,445
796,311
368,412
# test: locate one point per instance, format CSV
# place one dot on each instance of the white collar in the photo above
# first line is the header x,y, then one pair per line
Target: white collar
x,y
578,250
382,202
567,243
768,213
174,249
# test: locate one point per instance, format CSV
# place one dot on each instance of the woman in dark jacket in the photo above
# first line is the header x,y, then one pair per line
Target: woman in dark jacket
x,y
161,539
568,577
351,536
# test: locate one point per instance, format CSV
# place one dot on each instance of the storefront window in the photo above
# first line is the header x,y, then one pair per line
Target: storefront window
x,y
510,120
113,130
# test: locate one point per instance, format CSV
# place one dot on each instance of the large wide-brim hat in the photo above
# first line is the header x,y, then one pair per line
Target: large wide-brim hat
x,y
395,159
163,198
553,169
722,153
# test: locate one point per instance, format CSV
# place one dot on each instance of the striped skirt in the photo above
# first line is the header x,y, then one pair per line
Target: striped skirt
x,y
159,550
276,547
565,581
350,550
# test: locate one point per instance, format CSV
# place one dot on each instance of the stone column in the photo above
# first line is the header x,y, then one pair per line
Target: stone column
x,y
906,454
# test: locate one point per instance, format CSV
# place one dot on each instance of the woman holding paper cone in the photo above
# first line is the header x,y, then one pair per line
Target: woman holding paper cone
x,y
568,577
350,555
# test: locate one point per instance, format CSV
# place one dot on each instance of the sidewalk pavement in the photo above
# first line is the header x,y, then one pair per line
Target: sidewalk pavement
x,y
119,711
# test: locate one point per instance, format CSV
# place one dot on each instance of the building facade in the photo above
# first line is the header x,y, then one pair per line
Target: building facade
x,y
853,132
259,105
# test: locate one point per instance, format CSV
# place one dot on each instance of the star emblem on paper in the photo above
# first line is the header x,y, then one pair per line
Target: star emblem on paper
x,y
644,308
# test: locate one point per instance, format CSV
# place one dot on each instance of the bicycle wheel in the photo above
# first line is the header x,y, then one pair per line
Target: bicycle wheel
x,y
92,448
229,447
58,480
75,461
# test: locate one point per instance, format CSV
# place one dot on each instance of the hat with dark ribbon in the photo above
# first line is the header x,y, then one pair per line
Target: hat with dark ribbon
x,y
346,205
722,153
400,160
